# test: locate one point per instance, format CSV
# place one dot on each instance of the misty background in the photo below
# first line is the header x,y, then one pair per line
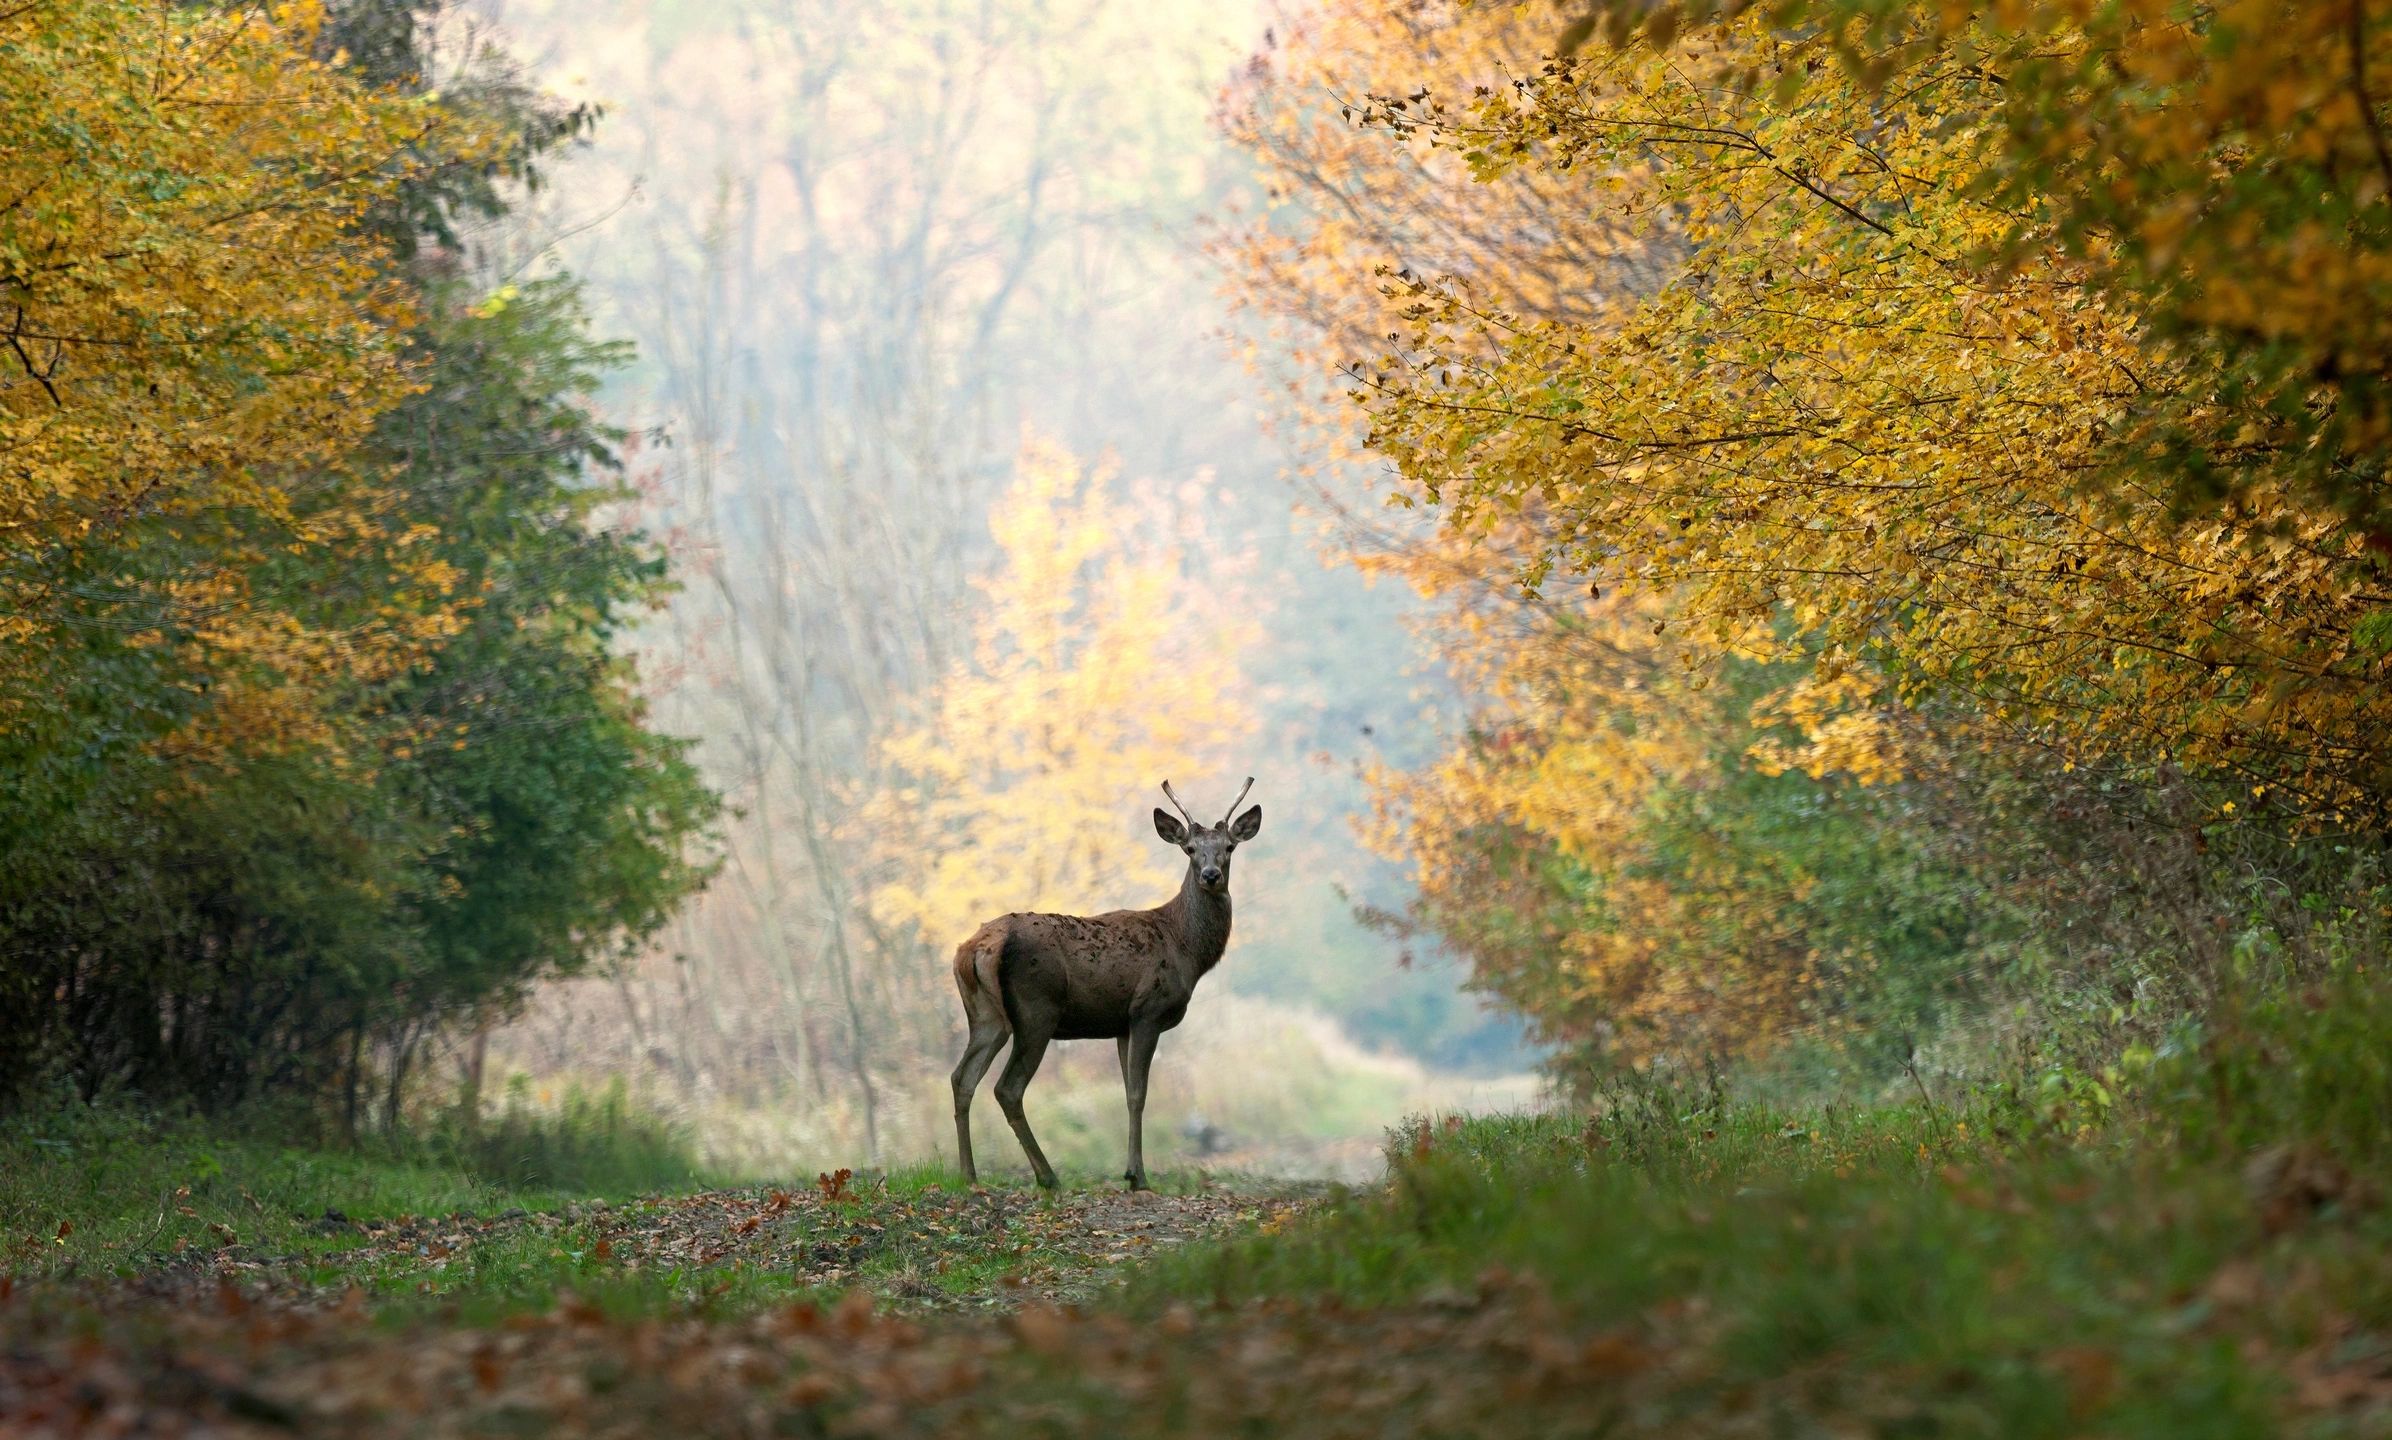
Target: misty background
x,y
871,255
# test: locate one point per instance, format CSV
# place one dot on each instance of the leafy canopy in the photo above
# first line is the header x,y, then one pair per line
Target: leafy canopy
x,y
1880,392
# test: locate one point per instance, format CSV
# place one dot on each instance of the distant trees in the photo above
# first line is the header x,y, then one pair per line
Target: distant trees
x,y
315,736
871,245
838,285
1098,668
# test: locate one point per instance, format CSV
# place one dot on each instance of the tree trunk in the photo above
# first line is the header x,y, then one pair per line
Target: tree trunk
x,y
349,1082
402,1050
469,1091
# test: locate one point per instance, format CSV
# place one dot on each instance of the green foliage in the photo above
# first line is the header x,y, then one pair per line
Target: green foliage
x,y
2297,1067
566,820
498,814
1723,906
387,43
1888,927
275,860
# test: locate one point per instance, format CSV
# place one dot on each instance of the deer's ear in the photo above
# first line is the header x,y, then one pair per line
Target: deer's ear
x,y
1171,830
1249,825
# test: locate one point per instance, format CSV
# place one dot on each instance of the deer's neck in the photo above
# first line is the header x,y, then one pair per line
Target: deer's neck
x,y
1203,920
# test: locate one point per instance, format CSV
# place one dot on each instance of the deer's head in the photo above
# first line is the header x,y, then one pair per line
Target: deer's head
x,y
1208,847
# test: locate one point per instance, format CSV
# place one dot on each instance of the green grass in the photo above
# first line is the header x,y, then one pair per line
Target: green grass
x,y
594,1144
592,1200
113,1189
2188,1239
2176,1246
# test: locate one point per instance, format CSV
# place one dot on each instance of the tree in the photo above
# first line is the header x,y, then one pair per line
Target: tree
x,y
2219,171
190,316
1872,394
1650,845
1341,215
1098,669
327,749
564,825
1900,482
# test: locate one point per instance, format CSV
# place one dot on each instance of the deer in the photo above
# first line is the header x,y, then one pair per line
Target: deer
x,y
1123,976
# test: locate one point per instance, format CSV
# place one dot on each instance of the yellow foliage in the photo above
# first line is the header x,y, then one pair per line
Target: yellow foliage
x,y
185,309
1842,729
1098,669
193,325
2028,357
1839,407
1348,212
1584,716
2224,168
1533,843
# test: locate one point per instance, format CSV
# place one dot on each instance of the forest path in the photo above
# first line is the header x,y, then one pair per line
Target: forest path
x,y
914,1246
879,1304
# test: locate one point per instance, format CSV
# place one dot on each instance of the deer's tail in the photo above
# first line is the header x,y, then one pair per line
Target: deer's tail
x,y
979,963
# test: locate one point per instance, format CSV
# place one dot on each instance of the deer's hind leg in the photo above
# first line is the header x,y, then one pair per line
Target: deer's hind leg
x,y
1029,1048
988,1037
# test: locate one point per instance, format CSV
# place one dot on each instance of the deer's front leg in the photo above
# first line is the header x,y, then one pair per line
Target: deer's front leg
x,y
1137,1056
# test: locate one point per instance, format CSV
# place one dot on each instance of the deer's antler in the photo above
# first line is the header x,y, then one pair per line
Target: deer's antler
x,y
1183,810
1234,804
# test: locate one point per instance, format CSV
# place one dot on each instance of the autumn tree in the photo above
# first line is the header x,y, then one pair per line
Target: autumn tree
x,y
319,733
2218,171
190,316
1098,668
1649,844
1871,396
1902,448
1335,213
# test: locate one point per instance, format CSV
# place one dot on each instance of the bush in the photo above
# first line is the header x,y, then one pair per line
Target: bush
x,y
602,1144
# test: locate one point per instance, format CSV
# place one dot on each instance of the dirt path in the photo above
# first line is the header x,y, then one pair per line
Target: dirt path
x,y
1493,1363
431,1325
938,1248
234,1348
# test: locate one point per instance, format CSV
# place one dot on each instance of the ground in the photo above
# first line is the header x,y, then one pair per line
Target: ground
x,y
344,1324
926,1247
2203,1253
